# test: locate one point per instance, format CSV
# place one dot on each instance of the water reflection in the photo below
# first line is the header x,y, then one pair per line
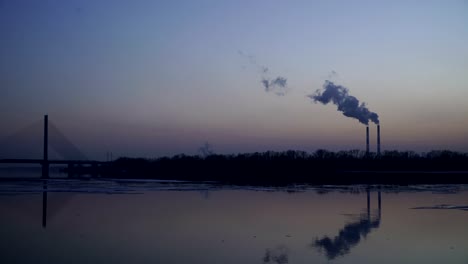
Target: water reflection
x,y
352,233
86,225
44,205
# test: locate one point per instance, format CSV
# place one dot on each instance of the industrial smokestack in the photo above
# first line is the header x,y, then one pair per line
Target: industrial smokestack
x,y
367,139
378,139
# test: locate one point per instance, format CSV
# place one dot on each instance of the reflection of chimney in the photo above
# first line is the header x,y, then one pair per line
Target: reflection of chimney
x,y
367,139
378,139
368,203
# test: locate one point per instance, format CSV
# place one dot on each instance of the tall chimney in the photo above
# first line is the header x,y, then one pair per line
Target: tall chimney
x,y
367,139
378,139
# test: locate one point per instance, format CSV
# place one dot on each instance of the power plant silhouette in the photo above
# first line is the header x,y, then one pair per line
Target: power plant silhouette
x,y
378,140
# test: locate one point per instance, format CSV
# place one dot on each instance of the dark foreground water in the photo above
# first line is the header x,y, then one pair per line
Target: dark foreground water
x,y
175,222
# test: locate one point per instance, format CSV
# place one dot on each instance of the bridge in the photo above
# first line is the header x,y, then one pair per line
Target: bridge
x,y
45,162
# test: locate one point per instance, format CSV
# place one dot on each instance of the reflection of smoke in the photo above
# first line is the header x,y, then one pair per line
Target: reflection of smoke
x,y
348,237
279,255
277,85
346,103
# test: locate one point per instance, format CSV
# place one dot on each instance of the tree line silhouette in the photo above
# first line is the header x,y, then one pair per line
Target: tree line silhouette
x,y
319,167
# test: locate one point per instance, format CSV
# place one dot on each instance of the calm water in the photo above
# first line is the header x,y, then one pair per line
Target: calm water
x,y
160,222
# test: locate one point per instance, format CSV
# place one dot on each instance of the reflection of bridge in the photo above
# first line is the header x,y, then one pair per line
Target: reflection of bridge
x,y
350,235
93,165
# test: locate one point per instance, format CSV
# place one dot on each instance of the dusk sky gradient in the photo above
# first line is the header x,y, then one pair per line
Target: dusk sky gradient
x,y
153,78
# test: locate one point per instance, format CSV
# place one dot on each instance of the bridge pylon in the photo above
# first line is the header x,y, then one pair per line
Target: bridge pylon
x,y
45,161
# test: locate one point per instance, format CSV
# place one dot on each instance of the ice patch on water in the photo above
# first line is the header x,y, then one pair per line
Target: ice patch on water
x,y
124,186
444,206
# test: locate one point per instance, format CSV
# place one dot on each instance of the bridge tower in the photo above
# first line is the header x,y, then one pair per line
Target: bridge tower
x,y
45,162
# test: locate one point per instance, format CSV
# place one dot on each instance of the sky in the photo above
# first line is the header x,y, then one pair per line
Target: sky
x,y
154,78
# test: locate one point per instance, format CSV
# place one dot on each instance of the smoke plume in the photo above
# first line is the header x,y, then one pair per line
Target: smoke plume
x,y
332,75
347,104
276,85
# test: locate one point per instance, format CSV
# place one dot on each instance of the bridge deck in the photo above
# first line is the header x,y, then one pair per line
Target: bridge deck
x,y
41,161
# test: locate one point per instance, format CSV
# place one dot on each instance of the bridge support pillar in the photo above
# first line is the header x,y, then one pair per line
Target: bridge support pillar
x,y
94,170
70,170
45,163
45,170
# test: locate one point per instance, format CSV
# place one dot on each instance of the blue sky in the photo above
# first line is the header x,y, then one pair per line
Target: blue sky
x,y
152,78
